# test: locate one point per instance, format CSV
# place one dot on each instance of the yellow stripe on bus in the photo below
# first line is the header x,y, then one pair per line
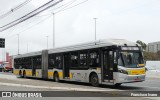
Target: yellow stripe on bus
x,y
141,65
50,74
16,72
136,71
28,73
70,76
37,73
60,74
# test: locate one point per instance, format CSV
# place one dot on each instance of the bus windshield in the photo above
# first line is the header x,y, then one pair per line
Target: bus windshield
x,y
130,59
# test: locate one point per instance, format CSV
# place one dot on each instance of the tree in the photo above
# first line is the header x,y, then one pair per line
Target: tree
x,y
158,55
150,56
144,46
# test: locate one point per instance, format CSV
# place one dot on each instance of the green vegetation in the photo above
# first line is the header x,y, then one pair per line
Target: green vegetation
x,y
144,46
148,55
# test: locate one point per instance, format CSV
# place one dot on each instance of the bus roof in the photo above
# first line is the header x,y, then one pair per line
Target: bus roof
x,y
89,45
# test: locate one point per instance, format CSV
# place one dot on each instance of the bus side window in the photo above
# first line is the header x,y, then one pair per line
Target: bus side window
x,y
83,58
58,61
30,62
94,58
38,62
51,61
74,59
16,63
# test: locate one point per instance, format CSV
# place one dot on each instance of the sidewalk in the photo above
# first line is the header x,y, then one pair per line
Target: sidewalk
x,y
150,74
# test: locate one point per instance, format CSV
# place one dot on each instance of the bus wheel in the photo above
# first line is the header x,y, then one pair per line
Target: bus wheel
x,y
94,80
56,77
118,84
24,74
20,74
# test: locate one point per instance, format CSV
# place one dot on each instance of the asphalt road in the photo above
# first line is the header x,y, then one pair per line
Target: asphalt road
x,y
60,95
9,82
150,84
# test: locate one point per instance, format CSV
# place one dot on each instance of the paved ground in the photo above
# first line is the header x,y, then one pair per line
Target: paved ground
x,y
151,84
9,82
11,88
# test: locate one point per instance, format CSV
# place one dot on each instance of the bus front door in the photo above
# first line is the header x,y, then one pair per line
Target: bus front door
x,y
66,66
108,63
33,68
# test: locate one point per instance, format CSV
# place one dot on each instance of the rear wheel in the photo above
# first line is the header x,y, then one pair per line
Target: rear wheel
x,y
24,74
56,77
94,80
20,73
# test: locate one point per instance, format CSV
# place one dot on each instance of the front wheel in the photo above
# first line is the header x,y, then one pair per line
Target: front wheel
x,y
94,80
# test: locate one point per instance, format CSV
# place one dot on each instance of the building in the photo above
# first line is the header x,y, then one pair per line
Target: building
x,y
153,47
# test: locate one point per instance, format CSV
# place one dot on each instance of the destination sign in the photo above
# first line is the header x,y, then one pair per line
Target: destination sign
x,y
129,48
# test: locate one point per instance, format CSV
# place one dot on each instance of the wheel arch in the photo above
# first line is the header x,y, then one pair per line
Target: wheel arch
x,y
20,72
55,73
93,72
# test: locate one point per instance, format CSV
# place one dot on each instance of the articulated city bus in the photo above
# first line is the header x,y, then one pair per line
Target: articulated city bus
x,y
113,61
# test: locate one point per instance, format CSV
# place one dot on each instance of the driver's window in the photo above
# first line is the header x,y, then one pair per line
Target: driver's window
x,y
129,59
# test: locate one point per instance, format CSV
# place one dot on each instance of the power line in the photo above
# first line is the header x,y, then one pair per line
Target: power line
x,y
14,9
29,27
48,17
66,5
72,6
30,15
42,19
15,27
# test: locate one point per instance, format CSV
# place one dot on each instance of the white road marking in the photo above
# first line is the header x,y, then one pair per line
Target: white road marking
x,y
56,88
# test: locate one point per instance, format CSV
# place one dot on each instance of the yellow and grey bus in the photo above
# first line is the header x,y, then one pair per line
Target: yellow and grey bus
x,y
112,61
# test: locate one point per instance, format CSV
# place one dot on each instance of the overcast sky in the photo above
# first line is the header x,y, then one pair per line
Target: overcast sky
x,y
124,19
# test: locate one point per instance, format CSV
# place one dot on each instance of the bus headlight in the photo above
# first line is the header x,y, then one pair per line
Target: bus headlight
x,y
122,71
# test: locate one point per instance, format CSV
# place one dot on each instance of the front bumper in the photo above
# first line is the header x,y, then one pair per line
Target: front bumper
x,y
123,78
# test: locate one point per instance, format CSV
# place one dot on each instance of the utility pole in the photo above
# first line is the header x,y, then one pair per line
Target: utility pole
x,y
95,19
53,30
27,47
18,43
47,41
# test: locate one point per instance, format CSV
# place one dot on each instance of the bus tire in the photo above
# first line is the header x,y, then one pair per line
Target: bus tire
x,y
56,77
118,84
94,80
20,74
24,74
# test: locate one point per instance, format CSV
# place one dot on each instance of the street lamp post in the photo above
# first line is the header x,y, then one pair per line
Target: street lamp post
x,y
53,30
18,43
27,47
47,41
95,22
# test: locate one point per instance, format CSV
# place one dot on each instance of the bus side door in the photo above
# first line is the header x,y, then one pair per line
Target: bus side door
x,y
66,58
108,63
